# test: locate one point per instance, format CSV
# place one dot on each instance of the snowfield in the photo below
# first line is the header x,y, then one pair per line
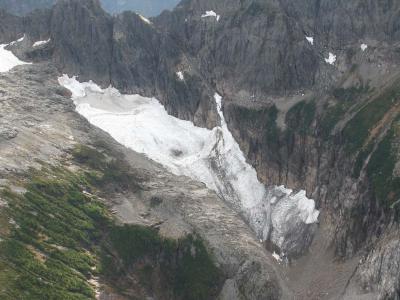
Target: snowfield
x,y
7,59
209,156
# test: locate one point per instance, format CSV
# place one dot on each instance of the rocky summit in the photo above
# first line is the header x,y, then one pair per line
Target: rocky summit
x,y
220,149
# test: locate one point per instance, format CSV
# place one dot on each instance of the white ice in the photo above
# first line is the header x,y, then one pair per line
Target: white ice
x,y
364,47
331,59
310,39
40,43
180,75
7,59
211,13
209,156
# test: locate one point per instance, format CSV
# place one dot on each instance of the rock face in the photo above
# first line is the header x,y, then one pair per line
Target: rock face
x,y
146,62
382,266
10,27
82,35
234,50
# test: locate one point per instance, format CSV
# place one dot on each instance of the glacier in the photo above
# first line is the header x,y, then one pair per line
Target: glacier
x,y
209,156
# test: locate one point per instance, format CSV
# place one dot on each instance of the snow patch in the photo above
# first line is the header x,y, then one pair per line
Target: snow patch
x,y
40,43
310,39
210,156
180,75
211,13
7,59
17,41
364,47
331,58
144,19
277,257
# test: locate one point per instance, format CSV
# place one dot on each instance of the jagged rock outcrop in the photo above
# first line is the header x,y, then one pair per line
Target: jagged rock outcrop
x,y
147,63
82,37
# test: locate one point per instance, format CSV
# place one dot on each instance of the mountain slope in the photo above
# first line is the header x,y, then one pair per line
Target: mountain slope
x,y
311,93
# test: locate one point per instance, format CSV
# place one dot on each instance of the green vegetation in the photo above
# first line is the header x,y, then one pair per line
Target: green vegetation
x,y
380,170
196,275
183,265
132,242
360,160
58,234
350,94
115,174
358,129
259,119
47,252
345,98
300,117
331,117
89,156
272,132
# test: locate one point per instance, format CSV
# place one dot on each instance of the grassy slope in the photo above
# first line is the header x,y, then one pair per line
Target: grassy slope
x,y
58,235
